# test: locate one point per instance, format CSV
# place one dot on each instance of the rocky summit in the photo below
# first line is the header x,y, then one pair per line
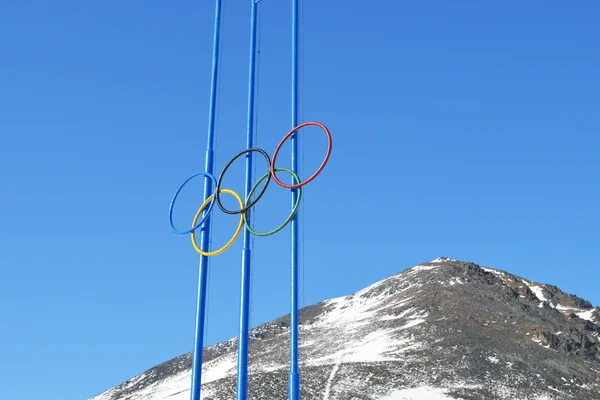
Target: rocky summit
x,y
441,330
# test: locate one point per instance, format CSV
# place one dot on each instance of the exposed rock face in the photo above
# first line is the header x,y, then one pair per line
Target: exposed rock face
x,y
440,330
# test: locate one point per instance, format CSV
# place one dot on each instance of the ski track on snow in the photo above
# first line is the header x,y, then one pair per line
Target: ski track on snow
x,y
334,371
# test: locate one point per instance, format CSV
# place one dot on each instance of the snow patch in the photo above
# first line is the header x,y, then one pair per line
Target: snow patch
x,y
420,393
376,346
405,314
220,368
539,293
370,287
563,308
455,281
587,315
442,259
493,359
423,267
412,323
493,271
173,388
583,314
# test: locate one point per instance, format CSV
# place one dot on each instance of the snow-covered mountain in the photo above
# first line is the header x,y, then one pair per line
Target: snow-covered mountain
x,y
441,330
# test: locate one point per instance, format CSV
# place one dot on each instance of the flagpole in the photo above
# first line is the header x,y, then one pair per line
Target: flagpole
x,y
294,377
205,229
242,373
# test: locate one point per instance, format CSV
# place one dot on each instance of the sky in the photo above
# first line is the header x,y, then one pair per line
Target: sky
x,y
460,129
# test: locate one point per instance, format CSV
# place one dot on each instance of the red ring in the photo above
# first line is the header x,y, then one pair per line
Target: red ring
x,y
290,133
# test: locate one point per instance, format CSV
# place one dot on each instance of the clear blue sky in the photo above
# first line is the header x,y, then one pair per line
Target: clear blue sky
x,y
460,129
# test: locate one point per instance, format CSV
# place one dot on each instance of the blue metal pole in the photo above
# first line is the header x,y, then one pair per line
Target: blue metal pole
x,y
294,378
242,372
205,229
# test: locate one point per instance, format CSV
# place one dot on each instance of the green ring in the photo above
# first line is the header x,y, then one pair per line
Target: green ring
x,y
289,218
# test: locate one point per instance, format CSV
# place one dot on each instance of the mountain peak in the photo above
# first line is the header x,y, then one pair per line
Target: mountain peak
x,y
442,259
447,328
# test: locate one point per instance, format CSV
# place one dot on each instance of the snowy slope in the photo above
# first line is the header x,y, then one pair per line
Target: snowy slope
x,y
440,330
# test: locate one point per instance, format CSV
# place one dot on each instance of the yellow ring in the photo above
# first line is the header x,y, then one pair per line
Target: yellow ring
x,y
235,235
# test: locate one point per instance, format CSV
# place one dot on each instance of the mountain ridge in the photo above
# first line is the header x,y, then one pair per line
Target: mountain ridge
x,y
418,330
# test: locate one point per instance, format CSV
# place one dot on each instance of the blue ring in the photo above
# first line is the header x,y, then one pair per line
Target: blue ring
x,y
207,211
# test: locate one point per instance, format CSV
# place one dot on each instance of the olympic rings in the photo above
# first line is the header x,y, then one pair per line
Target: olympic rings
x,y
235,235
208,204
290,133
288,219
212,203
249,206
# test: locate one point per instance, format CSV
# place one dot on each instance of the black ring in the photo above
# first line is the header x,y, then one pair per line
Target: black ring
x,y
249,206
